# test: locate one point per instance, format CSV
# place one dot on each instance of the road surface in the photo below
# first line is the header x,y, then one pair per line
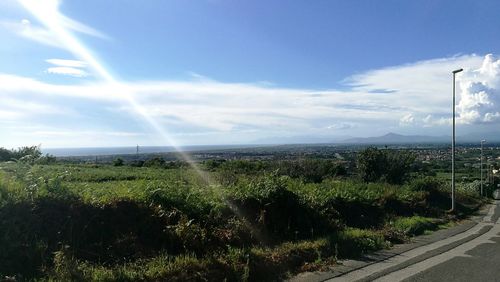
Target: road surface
x,y
472,255
467,252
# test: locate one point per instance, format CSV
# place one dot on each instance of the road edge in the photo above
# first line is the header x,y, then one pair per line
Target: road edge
x,y
348,266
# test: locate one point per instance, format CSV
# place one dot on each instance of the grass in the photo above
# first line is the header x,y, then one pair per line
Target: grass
x,y
415,225
106,223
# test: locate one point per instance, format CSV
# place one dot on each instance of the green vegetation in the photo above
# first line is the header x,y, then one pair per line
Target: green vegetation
x,y
414,225
256,221
392,166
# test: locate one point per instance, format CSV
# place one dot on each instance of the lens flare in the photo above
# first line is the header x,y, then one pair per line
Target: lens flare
x,y
47,12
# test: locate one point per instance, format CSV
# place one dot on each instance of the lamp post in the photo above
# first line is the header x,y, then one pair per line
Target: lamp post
x,y
453,147
482,142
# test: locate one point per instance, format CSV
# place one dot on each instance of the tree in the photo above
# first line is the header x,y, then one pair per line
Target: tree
x,y
118,162
27,154
5,155
155,162
392,166
371,164
398,165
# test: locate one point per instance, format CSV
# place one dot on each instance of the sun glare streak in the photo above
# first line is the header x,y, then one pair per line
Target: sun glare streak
x,y
47,12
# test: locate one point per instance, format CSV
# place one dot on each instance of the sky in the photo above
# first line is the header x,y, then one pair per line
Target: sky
x,y
93,73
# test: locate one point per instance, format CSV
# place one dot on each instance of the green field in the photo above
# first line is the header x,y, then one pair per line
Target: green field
x,y
241,220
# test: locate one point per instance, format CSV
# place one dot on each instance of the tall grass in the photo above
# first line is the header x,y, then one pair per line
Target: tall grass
x,y
125,223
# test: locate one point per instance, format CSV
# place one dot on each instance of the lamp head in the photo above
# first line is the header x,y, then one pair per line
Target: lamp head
x,y
457,71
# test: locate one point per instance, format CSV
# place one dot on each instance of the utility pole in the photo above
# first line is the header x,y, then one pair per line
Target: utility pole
x,y
137,153
453,147
488,173
482,142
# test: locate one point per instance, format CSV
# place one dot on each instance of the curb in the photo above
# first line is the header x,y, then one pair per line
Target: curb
x,y
348,266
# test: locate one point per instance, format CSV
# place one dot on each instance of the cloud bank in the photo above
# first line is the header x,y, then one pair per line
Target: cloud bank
x,y
413,95
419,97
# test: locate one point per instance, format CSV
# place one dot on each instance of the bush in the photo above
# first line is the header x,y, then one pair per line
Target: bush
x,y
118,162
241,166
47,159
27,154
309,170
392,166
5,155
353,242
425,184
138,163
414,225
276,212
155,162
471,188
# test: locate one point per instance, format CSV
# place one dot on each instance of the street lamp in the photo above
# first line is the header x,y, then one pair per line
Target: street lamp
x,y
482,142
453,147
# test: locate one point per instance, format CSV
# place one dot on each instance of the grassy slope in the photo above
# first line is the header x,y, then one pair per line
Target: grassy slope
x,y
106,223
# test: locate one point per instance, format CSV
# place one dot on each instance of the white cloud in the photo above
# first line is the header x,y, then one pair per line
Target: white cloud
x,y
74,136
83,133
49,9
67,71
9,115
407,120
430,120
231,106
424,89
480,93
341,126
25,29
207,105
67,63
67,67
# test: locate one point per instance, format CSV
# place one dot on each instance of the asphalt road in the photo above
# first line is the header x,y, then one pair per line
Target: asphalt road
x,y
475,260
481,263
467,252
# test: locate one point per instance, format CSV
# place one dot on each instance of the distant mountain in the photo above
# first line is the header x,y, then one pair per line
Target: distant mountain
x,y
300,139
490,137
393,138
389,138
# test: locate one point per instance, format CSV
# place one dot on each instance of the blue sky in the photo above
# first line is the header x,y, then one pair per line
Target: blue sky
x,y
117,73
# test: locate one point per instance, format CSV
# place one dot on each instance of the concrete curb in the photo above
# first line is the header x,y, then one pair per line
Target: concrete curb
x,y
348,266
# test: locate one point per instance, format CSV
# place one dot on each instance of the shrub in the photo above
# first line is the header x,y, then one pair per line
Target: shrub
x,y
155,162
309,170
353,242
414,225
426,184
392,166
398,165
138,163
27,154
118,162
47,159
5,155
371,162
471,188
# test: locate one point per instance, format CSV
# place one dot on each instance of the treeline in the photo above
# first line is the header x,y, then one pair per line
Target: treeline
x,y
28,154
309,170
371,165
